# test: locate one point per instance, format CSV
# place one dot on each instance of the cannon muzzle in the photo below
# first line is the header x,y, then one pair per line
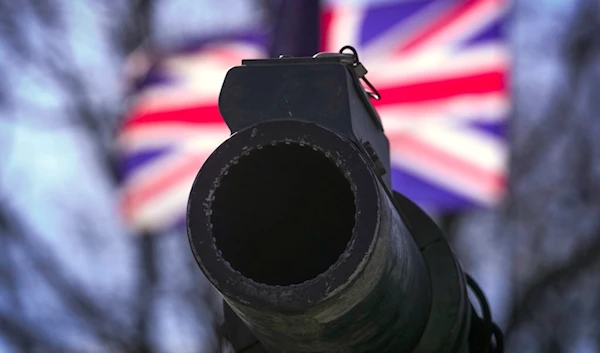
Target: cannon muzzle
x,y
294,221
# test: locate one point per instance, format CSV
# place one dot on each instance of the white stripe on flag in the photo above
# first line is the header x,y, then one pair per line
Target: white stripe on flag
x,y
159,135
164,97
489,107
469,145
164,209
345,27
437,64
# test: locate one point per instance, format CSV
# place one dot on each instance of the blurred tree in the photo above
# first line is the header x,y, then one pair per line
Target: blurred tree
x,y
73,278
537,256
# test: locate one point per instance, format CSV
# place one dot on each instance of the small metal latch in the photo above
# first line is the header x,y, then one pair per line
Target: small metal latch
x,y
359,69
361,72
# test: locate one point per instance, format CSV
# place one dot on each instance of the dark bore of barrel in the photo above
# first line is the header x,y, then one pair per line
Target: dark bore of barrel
x,y
283,214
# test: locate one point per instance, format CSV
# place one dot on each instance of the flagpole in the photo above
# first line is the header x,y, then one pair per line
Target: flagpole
x,y
294,27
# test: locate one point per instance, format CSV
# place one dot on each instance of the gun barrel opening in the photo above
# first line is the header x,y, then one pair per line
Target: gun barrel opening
x,y
283,214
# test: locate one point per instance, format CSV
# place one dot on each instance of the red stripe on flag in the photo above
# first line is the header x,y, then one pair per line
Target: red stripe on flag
x,y
475,84
438,26
490,181
136,197
326,20
193,115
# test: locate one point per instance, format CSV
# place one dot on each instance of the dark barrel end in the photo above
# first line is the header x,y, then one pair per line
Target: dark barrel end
x,y
277,205
283,214
289,223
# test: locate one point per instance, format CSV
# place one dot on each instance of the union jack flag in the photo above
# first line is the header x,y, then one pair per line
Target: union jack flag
x,y
173,126
440,67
